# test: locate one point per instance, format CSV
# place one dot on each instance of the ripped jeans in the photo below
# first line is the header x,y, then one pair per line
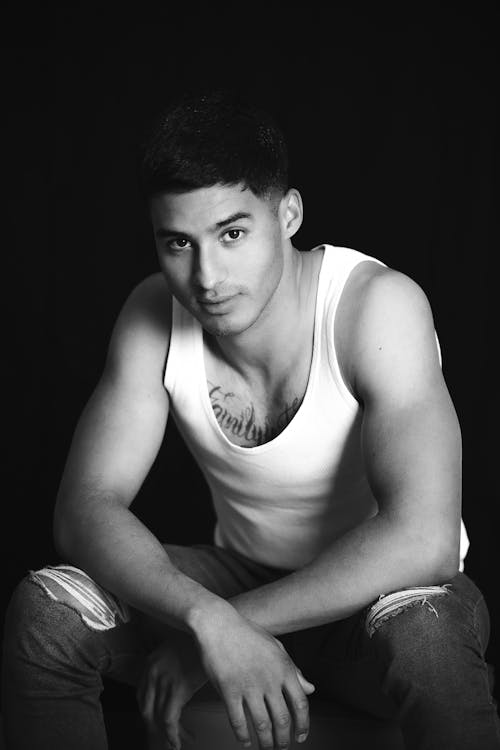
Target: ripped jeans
x,y
415,655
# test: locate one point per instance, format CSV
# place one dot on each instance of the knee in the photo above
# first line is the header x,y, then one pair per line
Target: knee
x,y
70,586
32,629
25,611
50,631
49,601
414,625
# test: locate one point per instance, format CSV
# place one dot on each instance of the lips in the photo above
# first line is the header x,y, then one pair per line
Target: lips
x,y
215,304
214,300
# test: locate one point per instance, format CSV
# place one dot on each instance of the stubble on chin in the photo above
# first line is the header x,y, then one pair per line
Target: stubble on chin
x,y
219,330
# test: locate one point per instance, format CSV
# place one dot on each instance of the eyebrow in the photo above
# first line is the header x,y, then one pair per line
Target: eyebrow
x,y
234,217
166,232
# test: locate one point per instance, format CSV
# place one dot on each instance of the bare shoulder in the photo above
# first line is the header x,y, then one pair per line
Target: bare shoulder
x,y
141,335
150,302
384,318
373,288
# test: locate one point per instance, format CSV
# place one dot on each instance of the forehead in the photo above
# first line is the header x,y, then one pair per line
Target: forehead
x,y
202,209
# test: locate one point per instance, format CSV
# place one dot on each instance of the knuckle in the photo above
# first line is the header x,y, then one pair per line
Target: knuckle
x,y
262,725
145,710
238,725
242,737
283,721
172,713
240,729
301,704
230,689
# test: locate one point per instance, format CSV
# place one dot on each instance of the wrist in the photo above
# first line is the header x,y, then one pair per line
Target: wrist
x,y
208,616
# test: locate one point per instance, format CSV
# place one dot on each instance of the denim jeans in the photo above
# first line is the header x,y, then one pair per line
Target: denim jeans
x,y
415,655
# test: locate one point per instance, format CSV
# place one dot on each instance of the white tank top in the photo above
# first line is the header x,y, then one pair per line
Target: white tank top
x,y
283,502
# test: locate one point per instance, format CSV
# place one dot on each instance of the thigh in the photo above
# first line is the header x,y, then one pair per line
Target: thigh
x,y
342,658
71,606
60,614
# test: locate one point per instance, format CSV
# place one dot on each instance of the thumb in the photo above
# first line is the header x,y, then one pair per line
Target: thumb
x,y
306,686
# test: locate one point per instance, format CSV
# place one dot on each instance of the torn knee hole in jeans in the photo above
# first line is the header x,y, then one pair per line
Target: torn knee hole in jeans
x,y
98,608
390,605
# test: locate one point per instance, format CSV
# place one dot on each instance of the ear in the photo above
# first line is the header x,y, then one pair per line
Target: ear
x,y
291,212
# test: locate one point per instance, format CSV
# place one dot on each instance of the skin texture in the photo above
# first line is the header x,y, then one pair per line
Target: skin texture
x,y
254,294
205,264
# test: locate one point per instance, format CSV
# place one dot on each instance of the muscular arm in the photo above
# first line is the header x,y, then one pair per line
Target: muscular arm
x,y
412,452
114,445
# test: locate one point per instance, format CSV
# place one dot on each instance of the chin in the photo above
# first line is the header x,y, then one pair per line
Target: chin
x,y
224,325
221,328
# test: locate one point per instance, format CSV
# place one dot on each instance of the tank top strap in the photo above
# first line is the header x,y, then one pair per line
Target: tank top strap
x,y
338,263
182,353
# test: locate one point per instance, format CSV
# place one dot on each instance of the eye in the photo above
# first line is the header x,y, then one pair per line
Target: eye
x,y
232,235
178,244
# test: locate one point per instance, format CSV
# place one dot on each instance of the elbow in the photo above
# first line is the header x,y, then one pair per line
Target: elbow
x,y
448,564
430,558
442,560
446,545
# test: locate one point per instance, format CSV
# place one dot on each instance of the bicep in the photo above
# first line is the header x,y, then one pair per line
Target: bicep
x,y
121,428
410,433
117,439
412,457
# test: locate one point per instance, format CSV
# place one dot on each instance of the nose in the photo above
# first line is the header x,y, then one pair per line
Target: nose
x,y
208,268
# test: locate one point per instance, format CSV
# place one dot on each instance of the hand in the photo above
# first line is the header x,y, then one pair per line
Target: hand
x,y
173,674
251,670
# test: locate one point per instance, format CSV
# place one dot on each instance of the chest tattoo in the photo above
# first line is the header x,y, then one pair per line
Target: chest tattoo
x,y
242,423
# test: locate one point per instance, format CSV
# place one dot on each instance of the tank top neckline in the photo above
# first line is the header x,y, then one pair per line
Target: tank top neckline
x,y
298,416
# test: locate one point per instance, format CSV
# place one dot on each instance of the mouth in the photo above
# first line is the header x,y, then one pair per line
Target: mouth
x,y
215,305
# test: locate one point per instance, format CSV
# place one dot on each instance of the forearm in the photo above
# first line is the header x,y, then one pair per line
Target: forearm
x,y
375,558
116,549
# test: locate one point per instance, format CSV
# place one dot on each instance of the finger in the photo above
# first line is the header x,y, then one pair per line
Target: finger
x,y
178,701
281,719
146,700
168,714
299,708
237,719
261,721
306,686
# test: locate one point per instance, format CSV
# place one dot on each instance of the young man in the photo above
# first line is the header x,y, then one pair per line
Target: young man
x,y
308,387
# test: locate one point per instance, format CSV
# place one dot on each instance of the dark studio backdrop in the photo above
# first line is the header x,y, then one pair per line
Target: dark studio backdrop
x,y
391,123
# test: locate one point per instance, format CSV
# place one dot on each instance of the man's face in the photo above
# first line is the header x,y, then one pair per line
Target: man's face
x,y
221,251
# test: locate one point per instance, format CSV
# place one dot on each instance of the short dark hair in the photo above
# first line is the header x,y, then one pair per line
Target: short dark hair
x,y
214,138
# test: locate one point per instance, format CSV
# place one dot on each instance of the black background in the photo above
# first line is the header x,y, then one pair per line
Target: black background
x,y
392,127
